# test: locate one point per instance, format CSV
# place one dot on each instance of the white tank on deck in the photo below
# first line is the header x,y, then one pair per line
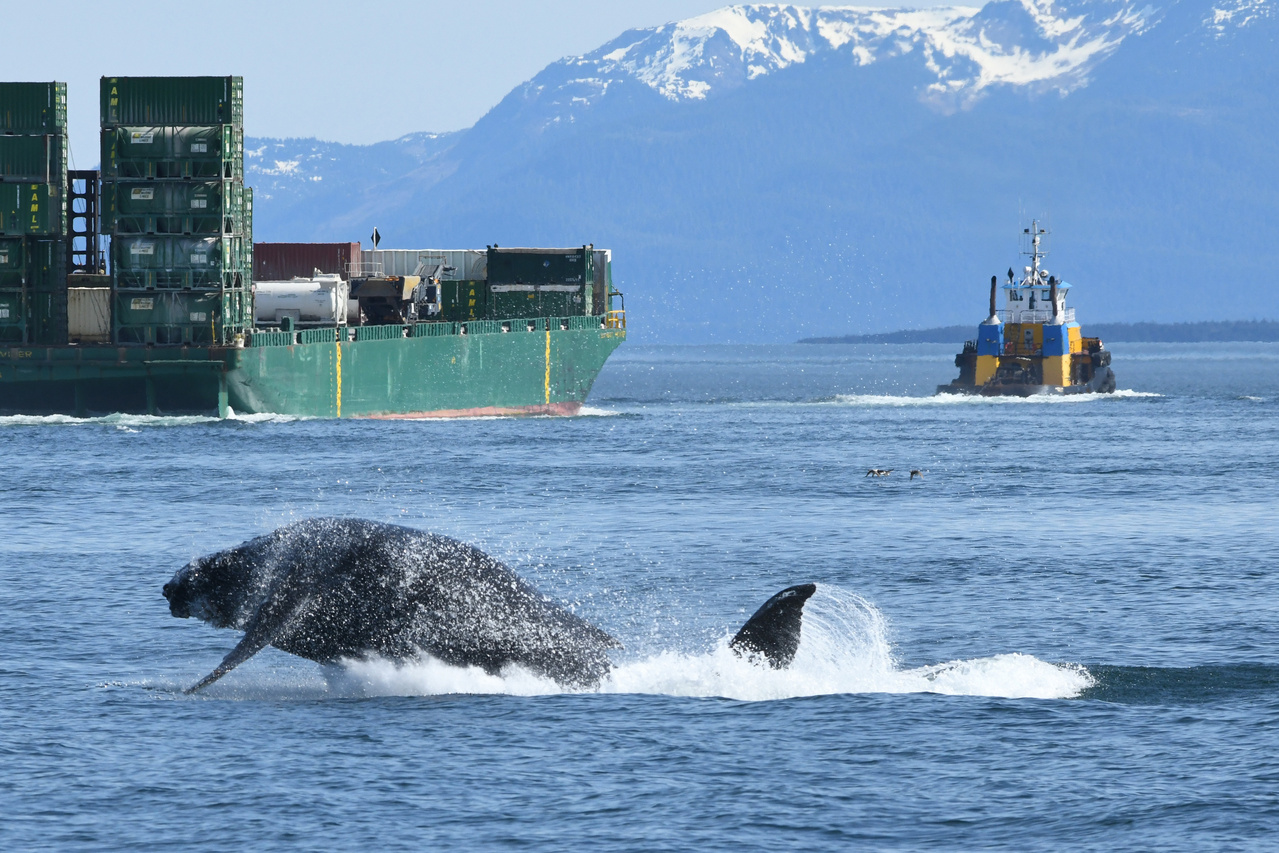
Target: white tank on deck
x,y
316,301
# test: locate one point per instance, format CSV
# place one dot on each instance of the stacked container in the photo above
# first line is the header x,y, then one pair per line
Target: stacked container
x,y
177,210
33,212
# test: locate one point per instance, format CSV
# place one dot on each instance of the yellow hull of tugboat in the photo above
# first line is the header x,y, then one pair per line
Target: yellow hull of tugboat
x,y
1056,370
987,366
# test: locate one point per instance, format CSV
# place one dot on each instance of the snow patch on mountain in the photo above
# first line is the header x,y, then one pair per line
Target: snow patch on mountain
x,y
1237,14
1040,44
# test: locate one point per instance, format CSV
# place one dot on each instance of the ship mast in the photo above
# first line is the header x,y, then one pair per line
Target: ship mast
x,y
1035,231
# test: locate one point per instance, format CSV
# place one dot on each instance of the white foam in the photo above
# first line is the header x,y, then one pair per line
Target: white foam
x,y
593,412
131,423
870,400
844,650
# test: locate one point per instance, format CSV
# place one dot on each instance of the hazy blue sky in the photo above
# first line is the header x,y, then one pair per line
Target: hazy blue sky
x,y
333,69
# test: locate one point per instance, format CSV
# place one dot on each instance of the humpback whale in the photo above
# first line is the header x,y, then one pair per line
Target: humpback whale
x,y
332,588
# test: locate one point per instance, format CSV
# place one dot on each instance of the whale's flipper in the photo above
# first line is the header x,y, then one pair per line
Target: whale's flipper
x,y
774,629
247,648
261,630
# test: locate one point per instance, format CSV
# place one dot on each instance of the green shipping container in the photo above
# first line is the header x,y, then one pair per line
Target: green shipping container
x,y
176,207
211,152
541,266
148,261
46,260
508,301
13,261
39,159
187,317
33,108
13,316
172,101
463,300
32,209
511,300
48,317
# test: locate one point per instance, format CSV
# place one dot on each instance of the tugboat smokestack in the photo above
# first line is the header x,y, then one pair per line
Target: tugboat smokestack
x,y
994,284
1052,294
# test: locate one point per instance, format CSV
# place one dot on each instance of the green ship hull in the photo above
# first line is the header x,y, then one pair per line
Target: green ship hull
x,y
529,367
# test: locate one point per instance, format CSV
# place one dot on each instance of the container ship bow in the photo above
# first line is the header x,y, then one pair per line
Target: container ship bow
x,y
1036,347
138,288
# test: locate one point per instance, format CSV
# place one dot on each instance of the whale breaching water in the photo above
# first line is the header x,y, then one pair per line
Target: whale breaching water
x,y
328,589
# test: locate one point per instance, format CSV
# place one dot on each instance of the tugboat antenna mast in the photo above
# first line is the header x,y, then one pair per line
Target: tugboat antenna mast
x,y
1035,232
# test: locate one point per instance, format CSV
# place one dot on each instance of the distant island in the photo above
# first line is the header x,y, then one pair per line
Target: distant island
x,y
1173,333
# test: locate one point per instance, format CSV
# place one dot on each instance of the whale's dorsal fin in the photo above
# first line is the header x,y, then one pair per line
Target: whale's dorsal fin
x,y
774,629
262,629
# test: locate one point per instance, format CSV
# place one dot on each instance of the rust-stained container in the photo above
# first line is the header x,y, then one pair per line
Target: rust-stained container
x,y
283,261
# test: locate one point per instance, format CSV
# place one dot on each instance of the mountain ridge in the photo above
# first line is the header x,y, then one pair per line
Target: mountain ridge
x,y
802,200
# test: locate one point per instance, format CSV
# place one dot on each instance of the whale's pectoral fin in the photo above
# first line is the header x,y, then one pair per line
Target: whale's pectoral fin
x,y
773,631
245,649
262,629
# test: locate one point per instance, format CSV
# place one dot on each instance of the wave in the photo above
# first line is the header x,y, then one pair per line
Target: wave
x,y
845,649
977,400
131,423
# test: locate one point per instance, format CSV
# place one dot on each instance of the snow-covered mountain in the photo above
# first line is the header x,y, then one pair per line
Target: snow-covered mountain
x,y
1036,44
842,145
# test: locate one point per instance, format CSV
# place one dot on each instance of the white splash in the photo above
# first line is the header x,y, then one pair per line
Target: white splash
x,y
890,400
132,423
844,649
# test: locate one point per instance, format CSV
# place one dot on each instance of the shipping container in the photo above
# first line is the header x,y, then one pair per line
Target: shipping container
x,y
541,266
459,264
176,207
33,108
13,316
463,300
46,259
89,314
38,209
13,261
173,153
33,159
178,317
511,301
603,280
172,101
283,261
147,261
48,324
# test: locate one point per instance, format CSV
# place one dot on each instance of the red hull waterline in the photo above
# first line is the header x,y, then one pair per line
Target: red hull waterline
x,y
567,409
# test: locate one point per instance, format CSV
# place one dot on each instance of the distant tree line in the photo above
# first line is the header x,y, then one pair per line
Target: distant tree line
x,y
1174,333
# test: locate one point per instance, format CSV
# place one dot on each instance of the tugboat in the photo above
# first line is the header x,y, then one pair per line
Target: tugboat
x,y
1036,347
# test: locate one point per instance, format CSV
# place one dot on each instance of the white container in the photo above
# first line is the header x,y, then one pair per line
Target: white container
x,y
89,314
318,301
467,264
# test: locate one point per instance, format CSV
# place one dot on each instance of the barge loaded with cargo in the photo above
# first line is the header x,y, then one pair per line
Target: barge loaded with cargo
x,y
137,288
1036,347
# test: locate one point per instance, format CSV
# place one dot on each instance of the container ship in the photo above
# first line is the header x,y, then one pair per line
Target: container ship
x,y
137,288
1036,347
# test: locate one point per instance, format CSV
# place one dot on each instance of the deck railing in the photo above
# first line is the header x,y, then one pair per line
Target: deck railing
x,y
272,338
1026,315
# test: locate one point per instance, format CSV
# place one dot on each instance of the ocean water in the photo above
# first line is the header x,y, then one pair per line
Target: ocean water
x,y
1063,636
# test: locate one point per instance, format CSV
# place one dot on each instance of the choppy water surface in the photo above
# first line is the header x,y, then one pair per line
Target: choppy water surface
x,y
1065,635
